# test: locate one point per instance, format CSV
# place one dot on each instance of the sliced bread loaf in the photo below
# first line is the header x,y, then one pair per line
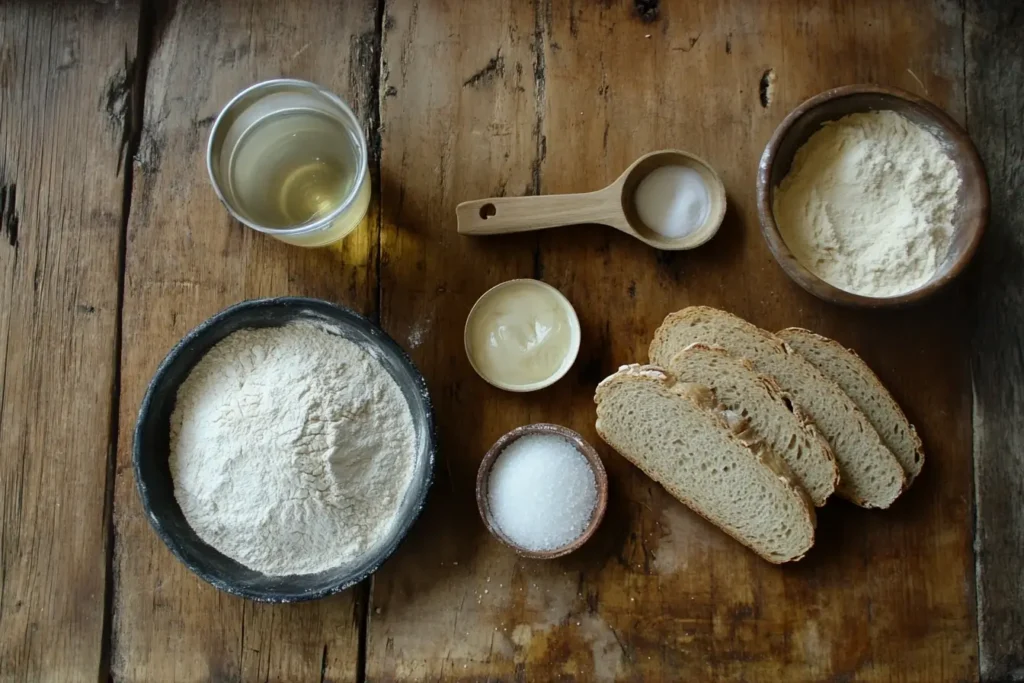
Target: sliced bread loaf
x,y
869,474
786,429
680,437
849,371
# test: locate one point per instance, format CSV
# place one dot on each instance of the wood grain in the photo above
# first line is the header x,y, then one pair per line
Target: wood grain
x,y
185,261
487,99
995,99
561,97
452,134
63,74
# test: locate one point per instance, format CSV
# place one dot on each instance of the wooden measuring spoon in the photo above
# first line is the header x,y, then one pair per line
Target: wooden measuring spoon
x,y
612,206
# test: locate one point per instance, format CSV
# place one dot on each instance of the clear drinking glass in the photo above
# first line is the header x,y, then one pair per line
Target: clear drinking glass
x,y
289,159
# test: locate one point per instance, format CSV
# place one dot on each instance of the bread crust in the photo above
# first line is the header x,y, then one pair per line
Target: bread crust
x,y
703,398
658,350
776,393
874,380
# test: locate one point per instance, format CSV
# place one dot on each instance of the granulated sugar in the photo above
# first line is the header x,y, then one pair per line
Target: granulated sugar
x,y
542,492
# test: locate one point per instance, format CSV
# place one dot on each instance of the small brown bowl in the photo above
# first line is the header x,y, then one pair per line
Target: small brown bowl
x,y
585,449
805,120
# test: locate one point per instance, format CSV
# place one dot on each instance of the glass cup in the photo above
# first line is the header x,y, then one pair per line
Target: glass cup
x,y
234,169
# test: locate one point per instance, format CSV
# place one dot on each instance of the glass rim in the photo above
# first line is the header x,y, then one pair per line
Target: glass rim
x,y
311,226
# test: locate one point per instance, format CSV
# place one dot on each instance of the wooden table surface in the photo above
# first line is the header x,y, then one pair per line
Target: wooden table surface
x,y
114,246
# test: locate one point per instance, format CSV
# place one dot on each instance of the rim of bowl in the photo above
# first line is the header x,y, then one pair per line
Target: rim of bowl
x,y
310,226
570,357
796,270
584,448
401,530
717,196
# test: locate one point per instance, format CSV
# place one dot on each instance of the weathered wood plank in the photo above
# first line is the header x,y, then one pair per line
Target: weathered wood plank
x,y
64,70
452,133
185,261
558,97
995,99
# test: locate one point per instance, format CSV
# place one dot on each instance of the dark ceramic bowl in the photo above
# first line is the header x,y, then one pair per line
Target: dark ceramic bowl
x,y
151,449
973,201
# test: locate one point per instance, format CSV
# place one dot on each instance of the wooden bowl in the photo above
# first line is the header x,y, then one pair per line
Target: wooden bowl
x,y
585,449
973,200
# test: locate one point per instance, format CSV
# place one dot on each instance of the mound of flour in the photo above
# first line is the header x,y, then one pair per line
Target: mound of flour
x,y
868,205
291,449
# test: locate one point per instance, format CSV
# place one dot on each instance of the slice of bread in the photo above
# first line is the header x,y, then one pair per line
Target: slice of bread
x,y
849,371
680,437
869,474
786,429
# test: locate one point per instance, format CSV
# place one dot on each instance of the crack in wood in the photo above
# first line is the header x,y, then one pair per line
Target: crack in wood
x,y
542,11
361,612
371,48
375,107
690,43
9,220
365,58
494,68
541,27
241,644
125,104
117,99
622,646
538,160
538,263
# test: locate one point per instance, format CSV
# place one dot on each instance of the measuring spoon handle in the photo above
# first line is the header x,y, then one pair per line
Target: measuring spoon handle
x,y
501,215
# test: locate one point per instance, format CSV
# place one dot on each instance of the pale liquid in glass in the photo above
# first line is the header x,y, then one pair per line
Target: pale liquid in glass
x,y
295,167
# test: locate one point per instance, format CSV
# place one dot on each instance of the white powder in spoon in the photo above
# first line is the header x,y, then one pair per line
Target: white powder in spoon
x,y
673,201
291,449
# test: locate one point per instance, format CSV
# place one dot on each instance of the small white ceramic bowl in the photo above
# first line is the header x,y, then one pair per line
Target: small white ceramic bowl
x,y
570,356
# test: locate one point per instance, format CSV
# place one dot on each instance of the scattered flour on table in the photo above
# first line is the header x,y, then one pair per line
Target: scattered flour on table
x,y
291,449
868,205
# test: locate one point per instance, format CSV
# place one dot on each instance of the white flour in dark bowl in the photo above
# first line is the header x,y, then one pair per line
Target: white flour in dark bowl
x,y
291,449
